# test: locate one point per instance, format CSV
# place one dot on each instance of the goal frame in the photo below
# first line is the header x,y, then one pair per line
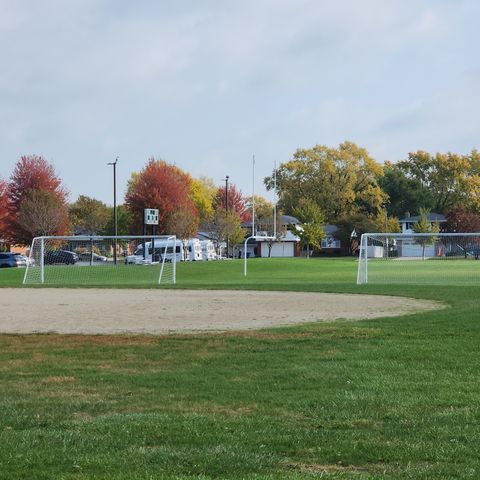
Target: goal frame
x,y
92,238
362,272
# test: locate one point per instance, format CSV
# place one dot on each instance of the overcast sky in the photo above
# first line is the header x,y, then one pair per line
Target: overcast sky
x,y
207,84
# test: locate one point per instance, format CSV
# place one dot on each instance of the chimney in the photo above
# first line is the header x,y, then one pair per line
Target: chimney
x,y
407,214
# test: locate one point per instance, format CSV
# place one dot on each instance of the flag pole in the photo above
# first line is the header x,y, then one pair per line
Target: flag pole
x,y
253,195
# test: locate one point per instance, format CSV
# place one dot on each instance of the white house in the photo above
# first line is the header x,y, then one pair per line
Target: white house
x,y
409,248
408,222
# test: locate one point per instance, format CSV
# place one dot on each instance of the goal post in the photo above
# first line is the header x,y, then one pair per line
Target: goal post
x,y
419,258
102,260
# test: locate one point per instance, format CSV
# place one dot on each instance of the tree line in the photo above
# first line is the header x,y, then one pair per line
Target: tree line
x,y
34,202
344,186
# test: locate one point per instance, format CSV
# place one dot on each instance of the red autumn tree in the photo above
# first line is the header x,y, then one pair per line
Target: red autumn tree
x,y
4,208
233,201
162,186
461,220
31,174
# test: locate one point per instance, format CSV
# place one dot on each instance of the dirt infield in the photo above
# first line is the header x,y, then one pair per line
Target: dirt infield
x,y
110,311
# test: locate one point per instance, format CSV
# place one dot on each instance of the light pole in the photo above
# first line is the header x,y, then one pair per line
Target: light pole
x,y
226,207
115,226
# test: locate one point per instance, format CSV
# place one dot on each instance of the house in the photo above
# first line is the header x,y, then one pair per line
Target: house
x,y
286,245
411,248
408,222
330,244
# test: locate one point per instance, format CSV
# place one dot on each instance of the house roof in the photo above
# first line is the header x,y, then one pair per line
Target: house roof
x,y
330,229
287,237
431,217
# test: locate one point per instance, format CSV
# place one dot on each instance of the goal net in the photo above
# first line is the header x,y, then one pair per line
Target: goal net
x,y
419,258
103,260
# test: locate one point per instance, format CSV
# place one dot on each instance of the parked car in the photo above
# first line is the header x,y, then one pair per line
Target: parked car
x,y
87,256
27,259
60,256
12,260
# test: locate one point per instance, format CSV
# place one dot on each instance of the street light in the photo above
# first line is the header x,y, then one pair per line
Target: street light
x,y
115,227
226,206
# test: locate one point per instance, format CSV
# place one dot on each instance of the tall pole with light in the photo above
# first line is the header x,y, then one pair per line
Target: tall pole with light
x,y
115,220
226,207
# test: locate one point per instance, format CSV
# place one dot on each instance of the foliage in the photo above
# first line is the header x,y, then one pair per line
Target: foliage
x,y
406,193
34,174
183,224
88,215
236,202
225,226
4,208
41,213
352,227
340,181
263,208
310,230
124,220
162,186
449,179
424,226
461,220
390,224
203,192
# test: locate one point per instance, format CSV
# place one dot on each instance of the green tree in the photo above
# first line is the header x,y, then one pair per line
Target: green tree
x,y
424,226
405,193
352,227
124,220
340,181
225,226
88,215
310,230
451,180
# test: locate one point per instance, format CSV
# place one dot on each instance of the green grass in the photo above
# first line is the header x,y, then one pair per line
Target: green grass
x,y
388,398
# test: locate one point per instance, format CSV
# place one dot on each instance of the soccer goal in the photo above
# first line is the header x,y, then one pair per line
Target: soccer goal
x,y
103,260
419,258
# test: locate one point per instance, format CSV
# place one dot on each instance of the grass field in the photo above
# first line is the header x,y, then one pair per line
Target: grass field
x,y
388,398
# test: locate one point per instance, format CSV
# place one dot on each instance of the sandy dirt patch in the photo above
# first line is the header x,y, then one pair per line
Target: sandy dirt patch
x,y
111,311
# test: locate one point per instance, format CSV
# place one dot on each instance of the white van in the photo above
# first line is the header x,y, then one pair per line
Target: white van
x,y
151,256
193,250
208,250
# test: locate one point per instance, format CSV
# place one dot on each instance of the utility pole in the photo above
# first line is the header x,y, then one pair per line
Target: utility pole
x,y
226,207
115,220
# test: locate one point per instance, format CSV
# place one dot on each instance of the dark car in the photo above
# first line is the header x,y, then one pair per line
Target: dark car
x,y
12,260
60,256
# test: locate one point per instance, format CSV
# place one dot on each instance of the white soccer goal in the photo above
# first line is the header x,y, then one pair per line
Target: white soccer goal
x,y
419,258
103,260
